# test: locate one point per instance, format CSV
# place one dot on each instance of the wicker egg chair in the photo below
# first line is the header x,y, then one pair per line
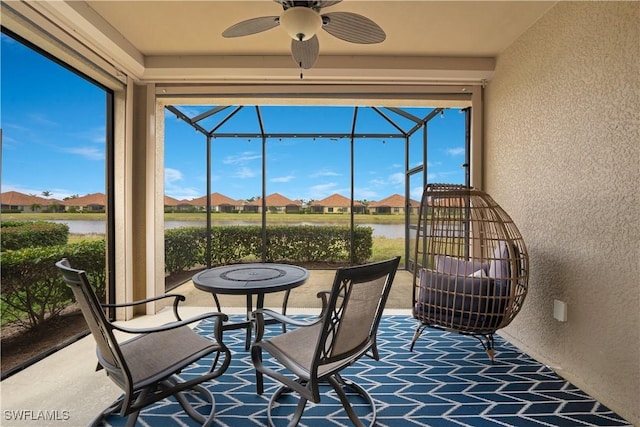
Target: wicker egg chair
x,y
471,267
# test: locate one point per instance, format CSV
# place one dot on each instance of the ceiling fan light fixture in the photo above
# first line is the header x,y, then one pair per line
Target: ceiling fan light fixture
x,y
301,23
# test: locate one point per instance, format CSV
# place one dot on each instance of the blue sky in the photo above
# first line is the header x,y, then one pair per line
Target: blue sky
x,y
53,125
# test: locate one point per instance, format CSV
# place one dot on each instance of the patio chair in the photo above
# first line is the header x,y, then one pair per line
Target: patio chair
x,y
146,367
472,268
316,352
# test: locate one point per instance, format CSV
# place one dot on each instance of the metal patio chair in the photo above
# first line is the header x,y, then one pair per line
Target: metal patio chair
x,y
146,367
316,352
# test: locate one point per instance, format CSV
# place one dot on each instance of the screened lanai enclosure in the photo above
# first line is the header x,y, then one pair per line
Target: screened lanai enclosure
x,y
347,178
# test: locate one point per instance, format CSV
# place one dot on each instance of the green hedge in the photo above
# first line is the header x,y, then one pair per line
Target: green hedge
x,y
33,291
32,287
28,234
185,247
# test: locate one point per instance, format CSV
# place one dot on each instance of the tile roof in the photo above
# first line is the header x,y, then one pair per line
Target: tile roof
x,y
276,199
170,201
15,198
335,200
217,199
394,201
89,199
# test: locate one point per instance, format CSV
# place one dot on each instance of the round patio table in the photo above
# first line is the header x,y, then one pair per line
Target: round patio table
x,y
250,279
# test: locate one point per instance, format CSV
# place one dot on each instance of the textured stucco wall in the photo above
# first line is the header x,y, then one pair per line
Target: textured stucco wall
x,y
561,155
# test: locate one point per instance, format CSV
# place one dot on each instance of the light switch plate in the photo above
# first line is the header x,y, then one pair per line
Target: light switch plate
x,y
560,310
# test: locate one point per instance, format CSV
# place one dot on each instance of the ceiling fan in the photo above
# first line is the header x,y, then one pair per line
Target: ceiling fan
x,y
303,19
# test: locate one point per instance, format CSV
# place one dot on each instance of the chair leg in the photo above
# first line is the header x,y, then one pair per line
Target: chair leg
x,y
302,402
416,335
339,383
191,411
116,406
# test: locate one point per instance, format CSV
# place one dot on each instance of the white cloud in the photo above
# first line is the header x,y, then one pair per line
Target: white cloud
x,y
396,178
91,153
324,172
458,151
172,175
244,173
242,158
96,135
37,118
366,194
171,178
182,193
320,191
287,178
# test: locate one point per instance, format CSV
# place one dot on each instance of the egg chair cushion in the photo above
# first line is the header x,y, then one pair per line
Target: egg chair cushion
x,y
499,266
467,303
456,266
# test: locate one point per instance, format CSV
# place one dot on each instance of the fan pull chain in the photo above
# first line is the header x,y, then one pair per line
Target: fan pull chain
x,y
301,75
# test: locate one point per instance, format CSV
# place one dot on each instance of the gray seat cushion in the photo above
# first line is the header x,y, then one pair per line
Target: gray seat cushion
x,y
461,302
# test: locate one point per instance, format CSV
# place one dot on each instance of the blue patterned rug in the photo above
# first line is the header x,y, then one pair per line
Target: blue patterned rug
x,y
446,381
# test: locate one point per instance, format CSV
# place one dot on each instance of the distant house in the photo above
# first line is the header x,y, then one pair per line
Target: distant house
x,y
394,204
275,203
170,204
335,203
219,203
95,202
14,201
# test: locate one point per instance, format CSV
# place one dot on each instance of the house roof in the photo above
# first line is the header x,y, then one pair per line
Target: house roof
x,y
217,199
335,200
15,198
170,201
394,201
90,199
275,199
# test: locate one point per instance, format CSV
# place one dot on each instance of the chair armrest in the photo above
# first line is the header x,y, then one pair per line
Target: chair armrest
x,y
281,317
176,301
258,318
219,318
324,295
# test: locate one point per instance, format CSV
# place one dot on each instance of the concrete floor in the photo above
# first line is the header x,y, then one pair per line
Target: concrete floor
x,y
302,297
65,390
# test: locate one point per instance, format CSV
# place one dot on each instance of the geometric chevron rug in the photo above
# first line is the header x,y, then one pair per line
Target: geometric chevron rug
x,y
446,381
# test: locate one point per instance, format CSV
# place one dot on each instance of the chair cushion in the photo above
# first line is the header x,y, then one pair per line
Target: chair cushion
x,y
479,273
450,265
499,265
466,303
296,349
157,355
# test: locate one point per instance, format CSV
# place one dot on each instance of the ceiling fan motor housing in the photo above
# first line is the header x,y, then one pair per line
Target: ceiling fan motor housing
x,y
301,23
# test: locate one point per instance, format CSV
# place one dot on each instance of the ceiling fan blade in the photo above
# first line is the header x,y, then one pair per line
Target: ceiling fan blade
x,y
305,53
252,26
353,28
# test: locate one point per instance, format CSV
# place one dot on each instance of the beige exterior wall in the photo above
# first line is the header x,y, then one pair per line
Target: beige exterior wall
x,y
561,152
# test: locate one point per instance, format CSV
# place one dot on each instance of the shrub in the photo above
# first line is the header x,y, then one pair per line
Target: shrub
x,y
27,234
32,288
185,247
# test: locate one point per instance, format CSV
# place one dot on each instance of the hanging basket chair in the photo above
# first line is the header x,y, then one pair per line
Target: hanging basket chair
x,y
471,264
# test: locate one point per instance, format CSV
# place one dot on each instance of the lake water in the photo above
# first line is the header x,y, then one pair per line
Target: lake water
x,y
390,231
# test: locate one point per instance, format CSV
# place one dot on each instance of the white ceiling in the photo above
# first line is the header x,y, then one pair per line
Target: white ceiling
x,y
414,28
180,41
